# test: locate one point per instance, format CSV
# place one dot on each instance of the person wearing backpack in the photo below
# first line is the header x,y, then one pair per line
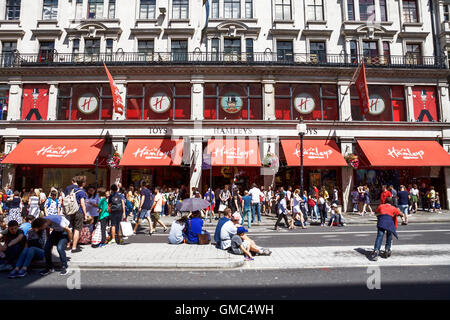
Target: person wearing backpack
x,y
76,219
145,204
52,206
117,213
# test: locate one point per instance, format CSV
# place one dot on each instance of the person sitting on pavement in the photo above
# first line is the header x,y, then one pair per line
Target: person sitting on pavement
x,y
194,227
220,223
242,244
14,243
36,238
336,216
176,235
386,223
229,229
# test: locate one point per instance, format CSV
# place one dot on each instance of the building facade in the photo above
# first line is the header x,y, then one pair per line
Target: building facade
x,y
236,93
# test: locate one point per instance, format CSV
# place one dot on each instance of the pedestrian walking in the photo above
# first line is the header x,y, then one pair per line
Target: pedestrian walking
x,y
76,220
366,195
423,192
394,195
33,205
103,215
297,214
414,192
225,196
282,211
156,209
386,224
116,215
146,202
246,204
255,193
385,193
322,209
403,201
355,198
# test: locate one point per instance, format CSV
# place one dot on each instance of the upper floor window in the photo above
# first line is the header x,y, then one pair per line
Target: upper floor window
x,y
383,10
79,9
249,8
285,51
446,10
315,10
409,10
232,9
8,49
46,50
12,9
91,47
76,47
249,49
367,10
95,9
50,10
413,53
180,9
179,50
146,49
215,9
317,50
232,49
112,9
350,10
147,9
283,10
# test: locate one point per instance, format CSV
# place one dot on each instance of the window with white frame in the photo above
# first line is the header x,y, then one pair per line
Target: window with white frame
x,y
12,9
95,9
180,9
367,10
410,11
232,9
147,9
112,9
79,9
215,9
446,12
249,9
383,10
50,10
350,10
315,10
283,10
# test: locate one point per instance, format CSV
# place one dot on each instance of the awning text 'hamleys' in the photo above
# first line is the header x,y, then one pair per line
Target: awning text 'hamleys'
x,y
55,152
151,153
233,153
405,153
314,153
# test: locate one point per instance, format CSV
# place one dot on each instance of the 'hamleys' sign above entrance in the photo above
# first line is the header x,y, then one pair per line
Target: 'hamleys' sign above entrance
x,y
314,153
405,153
232,153
55,151
152,153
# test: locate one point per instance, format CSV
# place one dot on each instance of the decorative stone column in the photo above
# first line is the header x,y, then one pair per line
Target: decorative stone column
x,y
444,102
53,102
409,103
268,97
347,173
117,145
195,152
15,100
345,109
197,92
9,171
446,146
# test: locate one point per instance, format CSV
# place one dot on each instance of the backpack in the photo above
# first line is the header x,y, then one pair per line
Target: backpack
x,y
70,205
116,202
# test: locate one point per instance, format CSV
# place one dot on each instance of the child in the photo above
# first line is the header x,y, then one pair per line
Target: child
x,y
437,203
242,244
103,215
51,206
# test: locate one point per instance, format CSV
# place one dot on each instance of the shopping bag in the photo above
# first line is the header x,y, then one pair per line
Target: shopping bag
x,y
96,235
222,207
85,235
127,229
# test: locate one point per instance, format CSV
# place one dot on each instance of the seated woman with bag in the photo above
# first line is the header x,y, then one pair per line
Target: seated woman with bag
x,y
194,229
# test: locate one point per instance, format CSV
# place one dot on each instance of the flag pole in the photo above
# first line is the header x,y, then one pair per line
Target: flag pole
x,y
351,81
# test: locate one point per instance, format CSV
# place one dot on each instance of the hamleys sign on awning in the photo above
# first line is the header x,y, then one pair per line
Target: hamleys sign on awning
x,y
315,153
234,152
153,152
404,153
56,151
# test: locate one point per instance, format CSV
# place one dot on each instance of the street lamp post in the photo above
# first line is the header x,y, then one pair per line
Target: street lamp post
x,y
301,129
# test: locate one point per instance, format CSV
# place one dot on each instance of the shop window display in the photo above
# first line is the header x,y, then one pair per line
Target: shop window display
x,y
159,101
425,104
311,102
85,102
4,97
233,101
386,103
35,102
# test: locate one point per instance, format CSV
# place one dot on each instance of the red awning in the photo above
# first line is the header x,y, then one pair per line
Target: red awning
x,y
234,152
153,152
395,153
56,151
316,153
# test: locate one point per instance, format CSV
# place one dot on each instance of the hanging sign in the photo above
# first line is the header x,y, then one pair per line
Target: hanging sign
x,y
87,103
160,102
304,103
376,105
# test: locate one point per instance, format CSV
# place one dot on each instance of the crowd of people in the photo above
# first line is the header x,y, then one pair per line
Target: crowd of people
x,y
32,223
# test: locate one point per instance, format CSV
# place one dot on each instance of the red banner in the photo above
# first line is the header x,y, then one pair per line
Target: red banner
x,y
363,92
35,102
425,104
117,99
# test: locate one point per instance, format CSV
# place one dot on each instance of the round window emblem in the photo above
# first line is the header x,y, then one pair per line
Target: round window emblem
x,y
304,103
87,103
376,105
160,102
231,102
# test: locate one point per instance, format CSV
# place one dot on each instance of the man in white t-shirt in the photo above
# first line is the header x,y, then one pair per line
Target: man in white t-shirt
x,y
256,203
229,229
156,209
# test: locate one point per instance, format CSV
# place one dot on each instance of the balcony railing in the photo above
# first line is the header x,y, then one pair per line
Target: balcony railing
x,y
258,58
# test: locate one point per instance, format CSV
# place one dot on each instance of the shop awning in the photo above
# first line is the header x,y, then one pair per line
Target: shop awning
x,y
153,152
316,153
234,152
395,153
56,152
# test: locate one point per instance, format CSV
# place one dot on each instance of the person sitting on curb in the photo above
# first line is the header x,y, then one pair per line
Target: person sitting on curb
x,y
242,244
194,227
14,243
229,229
336,216
386,223
176,235
220,223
